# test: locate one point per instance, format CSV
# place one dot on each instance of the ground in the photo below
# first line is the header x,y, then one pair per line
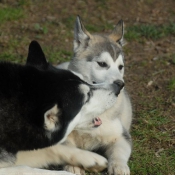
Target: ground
x,y
149,60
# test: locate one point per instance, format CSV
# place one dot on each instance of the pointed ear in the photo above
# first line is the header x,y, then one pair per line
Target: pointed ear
x,y
52,118
118,33
81,35
36,56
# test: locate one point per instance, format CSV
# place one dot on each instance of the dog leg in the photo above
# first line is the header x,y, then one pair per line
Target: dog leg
x,y
118,155
61,155
74,169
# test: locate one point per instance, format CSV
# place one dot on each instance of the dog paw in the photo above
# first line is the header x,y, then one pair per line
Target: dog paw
x,y
118,169
74,170
91,162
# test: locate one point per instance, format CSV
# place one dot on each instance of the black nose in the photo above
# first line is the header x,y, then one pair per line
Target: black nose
x,y
120,83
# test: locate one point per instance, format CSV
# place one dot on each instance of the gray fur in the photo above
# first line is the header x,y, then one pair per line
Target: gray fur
x,y
103,46
6,157
127,136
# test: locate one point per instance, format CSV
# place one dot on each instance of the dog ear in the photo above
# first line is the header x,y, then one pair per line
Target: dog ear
x,y
36,56
118,33
52,118
81,35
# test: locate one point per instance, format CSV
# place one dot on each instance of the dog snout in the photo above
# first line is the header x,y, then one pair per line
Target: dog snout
x,y
119,83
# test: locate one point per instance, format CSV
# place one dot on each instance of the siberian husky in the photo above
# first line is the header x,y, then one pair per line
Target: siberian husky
x,y
100,59
39,109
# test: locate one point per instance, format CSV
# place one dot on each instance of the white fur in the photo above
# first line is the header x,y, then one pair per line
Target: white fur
x,y
100,101
99,74
61,154
25,170
63,65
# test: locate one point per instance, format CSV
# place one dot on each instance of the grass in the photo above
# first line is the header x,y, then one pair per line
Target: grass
x,y
12,57
53,54
171,85
69,21
150,156
7,56
149,31
153,145
147,162
40,29
10,14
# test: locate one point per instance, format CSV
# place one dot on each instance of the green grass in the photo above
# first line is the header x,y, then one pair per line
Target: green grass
x,y
150,155
149,31
171,85
7,57
12,57
54,55
12,50
40,29
146,162
103,27
10,14
69,21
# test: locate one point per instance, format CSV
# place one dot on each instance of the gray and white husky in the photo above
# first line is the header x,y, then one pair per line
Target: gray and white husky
x,y
100,59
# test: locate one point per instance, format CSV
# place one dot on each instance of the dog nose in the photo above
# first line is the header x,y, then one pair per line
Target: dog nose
x,y
120,83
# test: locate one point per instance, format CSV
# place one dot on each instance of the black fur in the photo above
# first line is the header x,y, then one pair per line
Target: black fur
x,y
26,93
37,58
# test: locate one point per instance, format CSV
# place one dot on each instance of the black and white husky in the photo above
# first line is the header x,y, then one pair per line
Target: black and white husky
x,y
40,106
100,59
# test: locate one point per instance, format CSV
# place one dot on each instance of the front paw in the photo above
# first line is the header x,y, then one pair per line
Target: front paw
x,y
90,161
74,170
118,168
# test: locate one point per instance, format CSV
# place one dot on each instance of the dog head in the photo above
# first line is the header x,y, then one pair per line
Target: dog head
x,y
99,58
71,101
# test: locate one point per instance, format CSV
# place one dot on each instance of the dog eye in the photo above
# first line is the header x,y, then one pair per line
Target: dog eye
x,y
120,67
102,64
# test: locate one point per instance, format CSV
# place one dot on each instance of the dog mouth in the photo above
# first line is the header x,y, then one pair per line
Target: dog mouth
x,y
97,122
89,125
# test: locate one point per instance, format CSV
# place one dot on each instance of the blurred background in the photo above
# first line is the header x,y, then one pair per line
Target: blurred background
x,y
149,60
